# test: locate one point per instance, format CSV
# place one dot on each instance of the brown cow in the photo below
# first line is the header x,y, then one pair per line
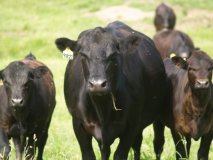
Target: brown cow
x,y
173,41
26,106
164,17
191,110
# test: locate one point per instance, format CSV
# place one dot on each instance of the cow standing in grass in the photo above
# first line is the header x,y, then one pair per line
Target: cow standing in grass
x,y
26,106
114,88
164,17
190,112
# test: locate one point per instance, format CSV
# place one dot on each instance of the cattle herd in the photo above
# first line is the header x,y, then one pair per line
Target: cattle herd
x,y
118,82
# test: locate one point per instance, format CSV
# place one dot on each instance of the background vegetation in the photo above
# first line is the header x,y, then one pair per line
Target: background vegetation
x,y
32,26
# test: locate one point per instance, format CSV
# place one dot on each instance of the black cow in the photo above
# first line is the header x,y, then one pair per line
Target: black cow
x,y
113,88
164,17
26,107
191,110
173,41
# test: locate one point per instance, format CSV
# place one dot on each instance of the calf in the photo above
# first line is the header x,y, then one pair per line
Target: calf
x,y
173,41
191,110
26,106
109,87
164,17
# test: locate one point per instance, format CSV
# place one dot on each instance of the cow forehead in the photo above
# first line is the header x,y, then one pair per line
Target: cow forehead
x,y
201,60
101,45
16,72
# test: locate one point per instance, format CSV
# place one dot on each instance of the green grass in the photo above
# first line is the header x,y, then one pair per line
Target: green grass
x,y
32,26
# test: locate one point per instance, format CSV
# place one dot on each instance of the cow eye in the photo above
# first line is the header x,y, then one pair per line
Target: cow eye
x,y
112,57
27,85
83,55
7,84
111,61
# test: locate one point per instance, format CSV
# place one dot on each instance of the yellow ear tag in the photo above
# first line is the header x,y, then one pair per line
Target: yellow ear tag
x,y
1,83
68,53
172,55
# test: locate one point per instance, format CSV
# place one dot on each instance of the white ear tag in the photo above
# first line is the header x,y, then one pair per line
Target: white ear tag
x,y
1,83
68,53
172,55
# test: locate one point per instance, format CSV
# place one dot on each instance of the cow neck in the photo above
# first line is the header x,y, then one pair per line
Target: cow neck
x,y
103,107
195,103
201,97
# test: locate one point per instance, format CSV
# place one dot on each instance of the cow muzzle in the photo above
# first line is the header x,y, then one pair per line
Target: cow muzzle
x,y
202,84
17,102
98,87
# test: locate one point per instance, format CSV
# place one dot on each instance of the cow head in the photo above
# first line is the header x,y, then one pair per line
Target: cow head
x,y
199,67
164,17
182,44
18,82
99,55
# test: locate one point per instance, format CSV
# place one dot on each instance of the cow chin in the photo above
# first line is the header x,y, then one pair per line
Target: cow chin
x,y
99,93
20,113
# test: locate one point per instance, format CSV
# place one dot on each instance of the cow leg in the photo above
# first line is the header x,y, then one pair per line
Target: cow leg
x,y
137,146
18,147
181,149
30,148
84,140
188,144
105,150
126,142
4,146
159,138
205,143
42,141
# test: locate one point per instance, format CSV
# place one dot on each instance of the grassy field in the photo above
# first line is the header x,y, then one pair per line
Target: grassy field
x,y
32,26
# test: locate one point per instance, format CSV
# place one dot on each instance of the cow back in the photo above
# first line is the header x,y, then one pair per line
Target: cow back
x,y
173,41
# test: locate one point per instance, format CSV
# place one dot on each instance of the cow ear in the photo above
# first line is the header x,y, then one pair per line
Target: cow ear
x,y
39,72
64,43
179,62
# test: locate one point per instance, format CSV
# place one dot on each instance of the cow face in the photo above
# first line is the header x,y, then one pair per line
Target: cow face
x,y
200,68
18,82
99,55
164,17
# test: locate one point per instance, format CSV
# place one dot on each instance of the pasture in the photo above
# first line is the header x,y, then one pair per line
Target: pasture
x,y
32,26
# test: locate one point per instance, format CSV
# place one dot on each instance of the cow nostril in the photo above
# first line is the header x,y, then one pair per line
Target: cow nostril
x,y
21,102
104,84
90,84
206,83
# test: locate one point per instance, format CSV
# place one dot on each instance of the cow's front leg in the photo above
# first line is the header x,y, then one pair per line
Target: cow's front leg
x,y
4,146
159,138
182,145
126,141
84,140
18,147
137,146
205,143
105,150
